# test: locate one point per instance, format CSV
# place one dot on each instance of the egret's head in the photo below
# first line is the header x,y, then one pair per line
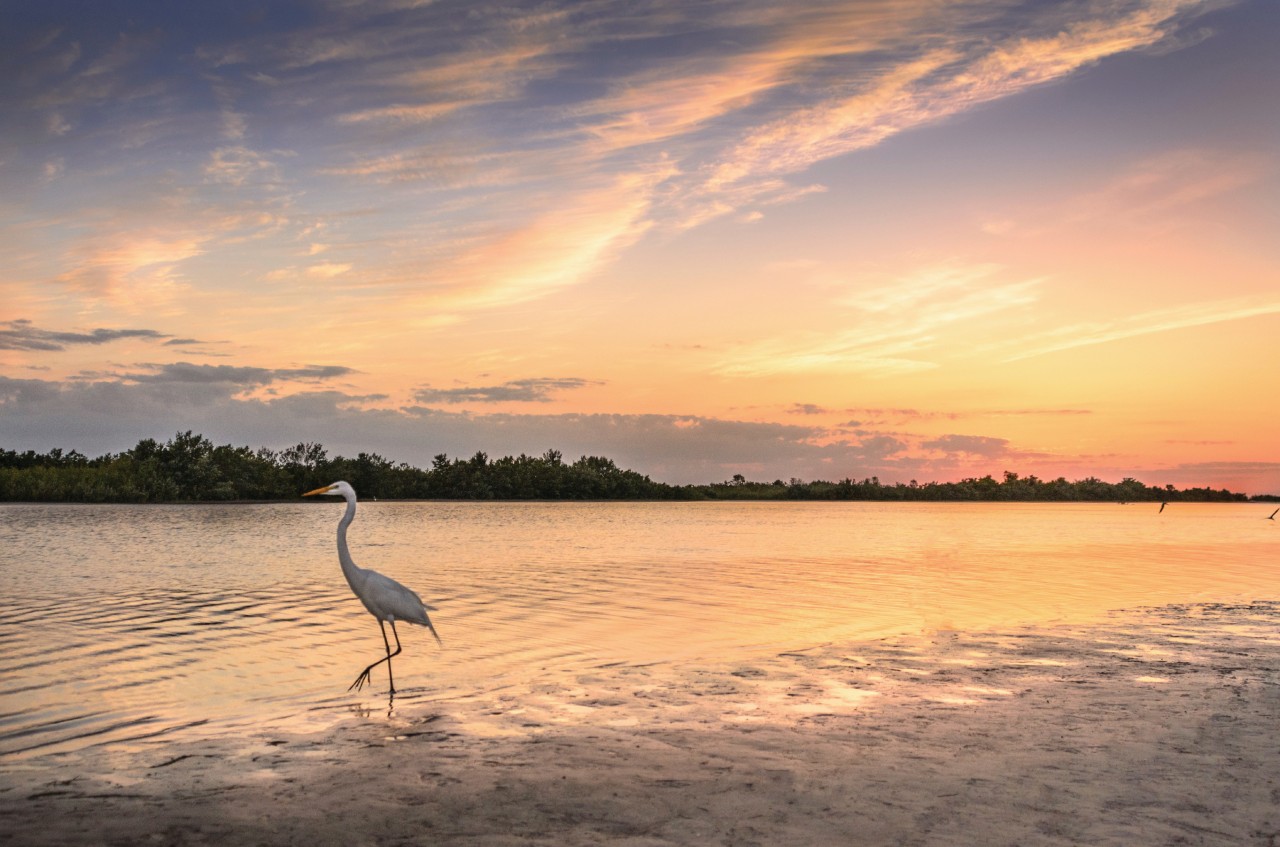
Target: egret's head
x,y
339,488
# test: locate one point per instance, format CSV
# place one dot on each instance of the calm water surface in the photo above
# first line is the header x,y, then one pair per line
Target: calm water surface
x,y
120,624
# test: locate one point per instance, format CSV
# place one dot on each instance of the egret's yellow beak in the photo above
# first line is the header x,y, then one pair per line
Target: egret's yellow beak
x,y
321,490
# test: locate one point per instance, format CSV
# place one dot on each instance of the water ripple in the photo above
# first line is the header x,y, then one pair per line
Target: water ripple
x,y
125,623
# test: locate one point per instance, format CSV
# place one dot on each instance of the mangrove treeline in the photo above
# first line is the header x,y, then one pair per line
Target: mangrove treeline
x,y
190,468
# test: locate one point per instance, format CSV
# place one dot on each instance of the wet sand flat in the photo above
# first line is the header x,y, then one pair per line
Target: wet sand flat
x,y
1157,726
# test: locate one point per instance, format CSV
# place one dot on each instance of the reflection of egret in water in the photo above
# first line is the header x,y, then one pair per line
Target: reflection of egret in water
x,y
364,711
386,599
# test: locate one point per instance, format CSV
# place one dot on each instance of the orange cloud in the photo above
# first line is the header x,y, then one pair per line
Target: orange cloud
x,y
400,113
558,248
135,271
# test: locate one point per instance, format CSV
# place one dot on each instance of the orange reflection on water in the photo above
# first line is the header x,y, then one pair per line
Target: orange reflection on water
x,y
130,623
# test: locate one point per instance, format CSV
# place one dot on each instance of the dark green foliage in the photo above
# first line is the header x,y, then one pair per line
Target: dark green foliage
x,y
1012,489
189,467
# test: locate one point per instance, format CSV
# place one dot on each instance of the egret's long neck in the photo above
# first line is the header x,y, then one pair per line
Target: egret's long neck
x,y
349,567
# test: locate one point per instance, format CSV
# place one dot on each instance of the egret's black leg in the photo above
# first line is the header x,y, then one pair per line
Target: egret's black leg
x,y
364,675
391,678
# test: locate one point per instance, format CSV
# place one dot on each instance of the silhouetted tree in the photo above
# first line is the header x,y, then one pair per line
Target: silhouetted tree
x,y
190,467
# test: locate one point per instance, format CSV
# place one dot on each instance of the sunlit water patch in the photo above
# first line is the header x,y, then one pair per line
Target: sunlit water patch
x,y
122,624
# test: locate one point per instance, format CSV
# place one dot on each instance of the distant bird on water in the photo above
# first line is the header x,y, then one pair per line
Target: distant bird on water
x,y
1162,505
1272,516
386,599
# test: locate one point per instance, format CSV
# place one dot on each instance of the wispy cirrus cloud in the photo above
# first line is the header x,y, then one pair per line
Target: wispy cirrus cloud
x,y
558,248
401,113
771,96
1144,323
136,269
959,65
890,328
237,165
1154,186
1152,193
680,98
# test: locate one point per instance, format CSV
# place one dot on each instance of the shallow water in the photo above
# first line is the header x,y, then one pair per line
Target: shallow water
x,y
125,624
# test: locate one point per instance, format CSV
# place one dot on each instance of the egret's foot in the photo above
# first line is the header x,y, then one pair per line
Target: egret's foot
x,y
360,681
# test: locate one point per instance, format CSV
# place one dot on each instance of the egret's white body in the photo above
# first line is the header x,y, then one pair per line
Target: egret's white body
x,y
386,599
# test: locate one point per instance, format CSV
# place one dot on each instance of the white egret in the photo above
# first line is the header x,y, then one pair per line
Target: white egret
x,y
386,599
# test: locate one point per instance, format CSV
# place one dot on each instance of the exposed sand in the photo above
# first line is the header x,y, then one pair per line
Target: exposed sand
x,y
1155,727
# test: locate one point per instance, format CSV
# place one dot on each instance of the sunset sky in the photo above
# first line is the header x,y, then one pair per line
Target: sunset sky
x,y
918,239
